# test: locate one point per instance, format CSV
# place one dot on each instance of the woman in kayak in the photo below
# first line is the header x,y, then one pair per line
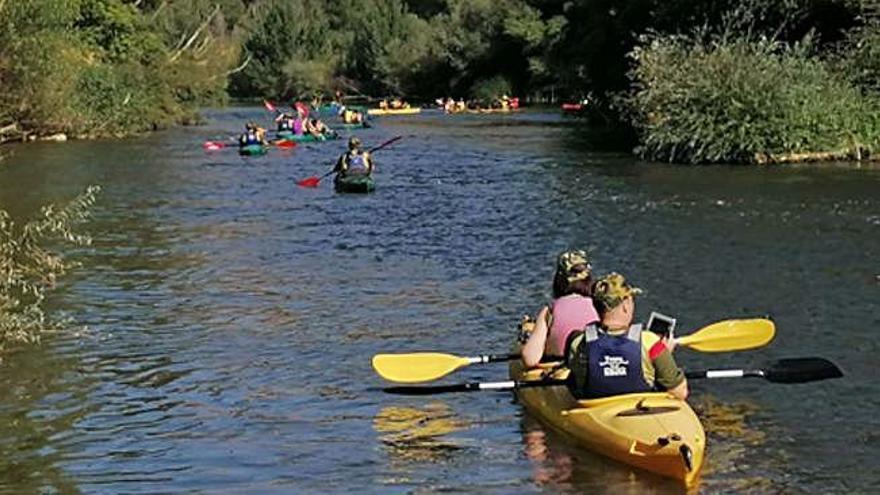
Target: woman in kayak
x,y
614,357
354,161
284,122
316,128
571,310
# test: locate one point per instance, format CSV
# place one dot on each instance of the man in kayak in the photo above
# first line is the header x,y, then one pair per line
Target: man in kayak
x,y
253,134
614,357
571,310
354,161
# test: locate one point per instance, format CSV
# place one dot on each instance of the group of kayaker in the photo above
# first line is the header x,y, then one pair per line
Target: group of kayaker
x,y
588,326
394,104
503,103
299,123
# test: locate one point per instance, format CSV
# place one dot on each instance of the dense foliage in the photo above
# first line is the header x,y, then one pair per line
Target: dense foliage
x,y
114,66
732,100
94,67
28,267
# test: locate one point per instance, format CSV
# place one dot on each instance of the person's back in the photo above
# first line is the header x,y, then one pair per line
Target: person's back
x,y
615,357
571,313
354,161
571,310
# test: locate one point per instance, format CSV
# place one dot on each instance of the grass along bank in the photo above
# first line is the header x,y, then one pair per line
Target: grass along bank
x,y
733,99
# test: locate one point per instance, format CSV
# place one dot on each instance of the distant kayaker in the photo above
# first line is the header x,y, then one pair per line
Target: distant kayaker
x,y
571,310
354,161
316,128
351,116
284,122
253,134
614,357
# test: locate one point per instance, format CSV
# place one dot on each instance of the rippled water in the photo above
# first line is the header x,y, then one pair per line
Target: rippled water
x,y
227,318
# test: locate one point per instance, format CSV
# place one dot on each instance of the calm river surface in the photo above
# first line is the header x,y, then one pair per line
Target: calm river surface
x,y
226,318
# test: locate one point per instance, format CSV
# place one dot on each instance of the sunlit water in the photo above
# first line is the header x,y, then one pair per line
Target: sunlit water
x,y
226,318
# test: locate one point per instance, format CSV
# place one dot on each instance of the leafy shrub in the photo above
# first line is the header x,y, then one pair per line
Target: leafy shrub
x,y
714,98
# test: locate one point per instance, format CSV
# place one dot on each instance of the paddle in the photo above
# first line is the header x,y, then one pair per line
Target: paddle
x,y
727,335
314,181
792,370
216,145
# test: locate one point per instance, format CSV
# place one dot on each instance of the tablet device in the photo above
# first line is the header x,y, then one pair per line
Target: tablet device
x,y
661,324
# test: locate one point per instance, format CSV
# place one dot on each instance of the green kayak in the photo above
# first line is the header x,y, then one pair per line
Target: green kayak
x,y
354,183
304,138
252,150
362,125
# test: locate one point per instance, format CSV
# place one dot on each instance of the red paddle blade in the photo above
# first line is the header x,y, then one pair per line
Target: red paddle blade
x,y
286,143
270,107
309,182
213,145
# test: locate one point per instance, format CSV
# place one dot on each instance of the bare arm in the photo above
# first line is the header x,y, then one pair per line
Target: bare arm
x,y
680,391
533,350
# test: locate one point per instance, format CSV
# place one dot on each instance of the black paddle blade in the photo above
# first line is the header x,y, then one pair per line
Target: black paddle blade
x,y
429,389
802,370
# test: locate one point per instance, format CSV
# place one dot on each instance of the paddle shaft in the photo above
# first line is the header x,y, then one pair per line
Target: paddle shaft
x,y
470,387
797,370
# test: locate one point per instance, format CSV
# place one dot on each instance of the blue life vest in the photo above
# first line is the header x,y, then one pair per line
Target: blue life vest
x,y
249,138
285,124
356,163
614,362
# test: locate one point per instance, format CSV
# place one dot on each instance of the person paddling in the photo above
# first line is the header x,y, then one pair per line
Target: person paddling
x,y
354,161
317,128
252,135
571,310
614,357
284,121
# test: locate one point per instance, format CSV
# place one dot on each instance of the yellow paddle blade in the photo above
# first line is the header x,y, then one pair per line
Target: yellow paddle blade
x,y
731,335
416,367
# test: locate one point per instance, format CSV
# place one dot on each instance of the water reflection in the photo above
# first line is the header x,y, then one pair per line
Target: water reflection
x,y
34,436
559,465
418,435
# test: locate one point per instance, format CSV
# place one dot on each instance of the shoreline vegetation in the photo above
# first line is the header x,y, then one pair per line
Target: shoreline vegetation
x,y
30,263
755,82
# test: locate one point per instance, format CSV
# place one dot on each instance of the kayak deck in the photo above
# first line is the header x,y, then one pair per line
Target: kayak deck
x,y
651,431
394,111
354,183
252,150
304,138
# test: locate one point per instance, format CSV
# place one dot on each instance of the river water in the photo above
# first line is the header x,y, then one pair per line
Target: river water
x,y
225,319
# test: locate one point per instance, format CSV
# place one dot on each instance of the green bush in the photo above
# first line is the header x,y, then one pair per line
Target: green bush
x,y
701,99
487,91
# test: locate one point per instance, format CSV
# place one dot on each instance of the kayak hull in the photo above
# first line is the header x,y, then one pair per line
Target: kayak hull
x,y
354,184
394,111
252,150
650,431
303,138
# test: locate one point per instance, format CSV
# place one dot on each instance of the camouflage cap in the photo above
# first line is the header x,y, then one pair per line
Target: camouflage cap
x,y
612,289
575,264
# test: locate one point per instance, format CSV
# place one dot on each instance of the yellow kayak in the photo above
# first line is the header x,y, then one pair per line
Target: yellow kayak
x,y
652,431
394,111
